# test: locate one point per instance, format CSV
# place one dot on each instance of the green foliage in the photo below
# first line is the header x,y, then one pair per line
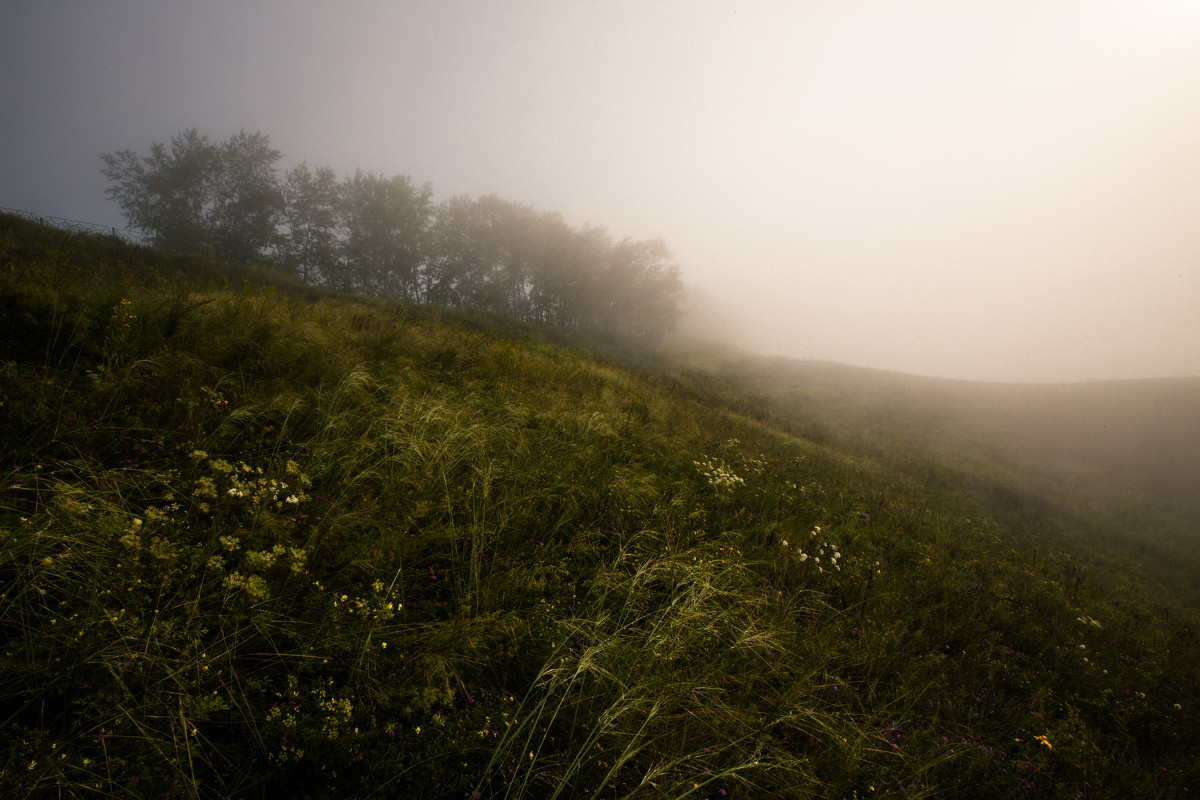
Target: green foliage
x,y
197,196
384,237
256,545
310,218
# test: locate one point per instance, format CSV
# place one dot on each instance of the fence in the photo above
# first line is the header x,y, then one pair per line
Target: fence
x,y
79,226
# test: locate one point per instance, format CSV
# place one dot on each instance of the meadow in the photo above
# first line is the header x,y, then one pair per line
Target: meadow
x,y
259,539
1114,463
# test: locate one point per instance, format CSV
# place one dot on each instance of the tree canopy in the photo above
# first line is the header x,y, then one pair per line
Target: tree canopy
x,y
196,195
385,236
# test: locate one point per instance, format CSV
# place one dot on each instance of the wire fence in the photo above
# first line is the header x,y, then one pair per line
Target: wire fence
x,y
79,226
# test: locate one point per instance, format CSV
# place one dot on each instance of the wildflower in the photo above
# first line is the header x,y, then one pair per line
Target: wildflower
x,y
292,499
785,544
260,559
253,585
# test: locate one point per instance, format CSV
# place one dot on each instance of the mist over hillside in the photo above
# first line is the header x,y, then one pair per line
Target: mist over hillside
x,y
982,190
260,538
632,401
1116,459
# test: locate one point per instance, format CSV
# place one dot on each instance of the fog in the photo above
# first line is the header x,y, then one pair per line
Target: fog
x,y
990,190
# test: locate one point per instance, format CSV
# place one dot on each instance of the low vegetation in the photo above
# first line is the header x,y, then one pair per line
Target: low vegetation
x,y
258,539
1114,463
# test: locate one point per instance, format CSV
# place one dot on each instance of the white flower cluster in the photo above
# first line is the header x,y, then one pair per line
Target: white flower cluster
x,y
825,550
719,475
250,484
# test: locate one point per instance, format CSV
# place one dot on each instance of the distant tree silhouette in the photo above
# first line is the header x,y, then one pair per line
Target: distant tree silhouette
x,y
309,243
222,199
386,222
384,236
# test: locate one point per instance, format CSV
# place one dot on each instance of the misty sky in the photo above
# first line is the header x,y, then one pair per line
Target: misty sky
x,y
984,189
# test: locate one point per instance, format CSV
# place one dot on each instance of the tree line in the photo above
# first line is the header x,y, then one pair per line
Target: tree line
x,y
387,237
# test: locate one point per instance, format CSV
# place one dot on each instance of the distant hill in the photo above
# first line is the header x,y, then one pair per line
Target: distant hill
x,y
259,539
1117,460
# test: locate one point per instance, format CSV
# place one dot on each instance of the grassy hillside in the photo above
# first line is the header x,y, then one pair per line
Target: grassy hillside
x,y
258,542
1115,463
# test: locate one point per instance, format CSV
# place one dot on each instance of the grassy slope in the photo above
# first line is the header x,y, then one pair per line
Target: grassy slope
x,y
1118,462
259,541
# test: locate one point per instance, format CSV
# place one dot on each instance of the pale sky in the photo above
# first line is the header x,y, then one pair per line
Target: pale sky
x,y
983,189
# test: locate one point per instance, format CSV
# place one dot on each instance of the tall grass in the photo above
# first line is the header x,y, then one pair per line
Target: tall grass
x,y
254,543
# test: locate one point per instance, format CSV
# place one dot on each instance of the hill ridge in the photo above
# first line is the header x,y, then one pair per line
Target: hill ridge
x,y
258,540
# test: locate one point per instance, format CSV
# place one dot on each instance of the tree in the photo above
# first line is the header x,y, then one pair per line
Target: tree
x,y
384,237
387,222
502,256
223,199
564,265
454,256
308,245
640,291
166,193
501,281
247,201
